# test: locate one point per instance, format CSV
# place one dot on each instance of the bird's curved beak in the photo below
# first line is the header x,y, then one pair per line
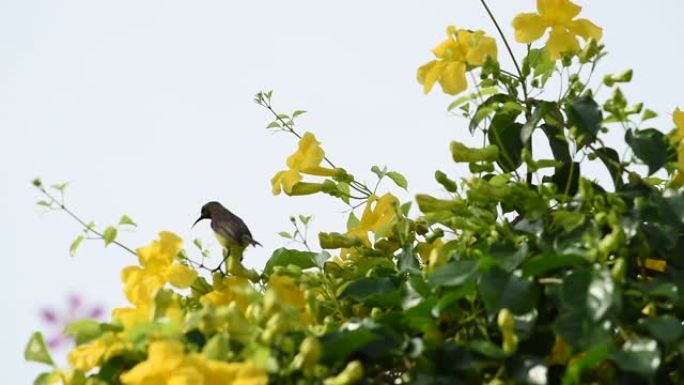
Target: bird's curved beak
x,y
198,219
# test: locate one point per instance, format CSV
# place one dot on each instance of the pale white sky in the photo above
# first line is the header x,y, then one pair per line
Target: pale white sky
x,y
146,106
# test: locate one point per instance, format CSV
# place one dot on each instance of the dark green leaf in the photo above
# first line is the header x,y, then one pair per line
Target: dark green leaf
x,y
338,346
539,113
640,355
500,289
558,143
611,160
586,116
447,183
455,273
566,178
665,328
650,146
542,264
375,291
505,133
284,257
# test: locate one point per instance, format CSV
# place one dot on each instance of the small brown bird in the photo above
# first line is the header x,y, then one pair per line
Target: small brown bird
x,y
229,229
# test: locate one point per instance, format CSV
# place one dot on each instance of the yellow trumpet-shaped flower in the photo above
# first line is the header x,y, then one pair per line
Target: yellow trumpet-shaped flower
x,y
378,217
678,119
89,355
306,160
167,364
559,16
158,268
228,290
461,49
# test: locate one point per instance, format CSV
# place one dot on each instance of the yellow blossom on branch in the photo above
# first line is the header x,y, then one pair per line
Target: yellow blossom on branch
x,y
306,160
461,49
167,364
559,16
378,217
158,268
89,355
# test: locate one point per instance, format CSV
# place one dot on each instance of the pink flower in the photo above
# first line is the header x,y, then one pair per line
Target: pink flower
x,y
57,320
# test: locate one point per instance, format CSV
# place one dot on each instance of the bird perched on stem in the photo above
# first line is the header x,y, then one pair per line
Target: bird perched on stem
x,y
233,235
230,230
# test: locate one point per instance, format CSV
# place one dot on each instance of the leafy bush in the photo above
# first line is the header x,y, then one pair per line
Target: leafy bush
x,y
527,271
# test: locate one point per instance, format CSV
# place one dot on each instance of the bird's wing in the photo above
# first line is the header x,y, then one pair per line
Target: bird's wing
x,y
233,229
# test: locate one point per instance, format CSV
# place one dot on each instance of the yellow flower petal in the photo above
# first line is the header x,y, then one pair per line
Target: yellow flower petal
x,y
655,264
284,180
558,11
319,171
481,47
561,41
429,73
180,276
529,27
586,29
678,119
453,79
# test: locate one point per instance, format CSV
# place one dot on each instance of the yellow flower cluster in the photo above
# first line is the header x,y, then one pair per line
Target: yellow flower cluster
x,y
142,283
677,139
461,49
167,364
559,16
306,160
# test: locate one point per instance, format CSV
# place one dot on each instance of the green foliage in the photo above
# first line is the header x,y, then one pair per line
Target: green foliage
x,y
526,271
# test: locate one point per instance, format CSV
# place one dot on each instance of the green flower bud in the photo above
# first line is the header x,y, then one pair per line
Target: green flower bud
x,y
337,241
461,153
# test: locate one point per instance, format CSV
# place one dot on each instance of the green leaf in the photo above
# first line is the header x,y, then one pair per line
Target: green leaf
x,y
60,186
217,348
650,146
352,221
374,291
558,143
84,330
274,124
640,355
454,273
109,235
648,115
45,378
590,292
377,171
665,328
542,64
37,182
505,133
586,116
566,178
586,360
539,113
338,346
297,113
542,264
284,257
126,220
611,160
305,219
37,351
500,289
447,183
44,203
285,235
398,179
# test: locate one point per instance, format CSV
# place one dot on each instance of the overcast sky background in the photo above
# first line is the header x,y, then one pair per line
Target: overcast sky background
x,y
146,108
